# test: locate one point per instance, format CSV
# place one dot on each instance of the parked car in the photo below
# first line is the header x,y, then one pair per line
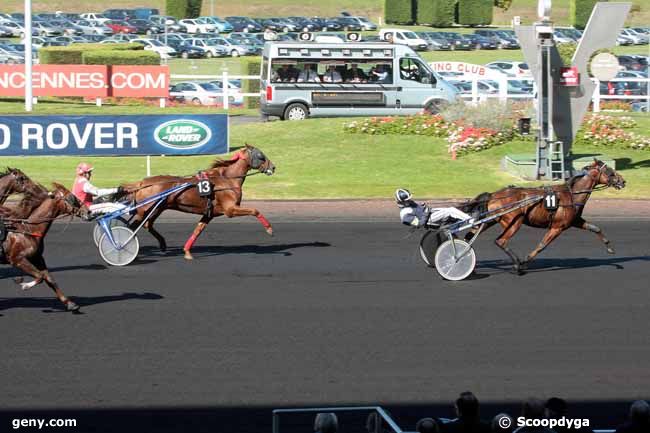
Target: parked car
x,y
253,45
623,40
637,38
188,51
435,43
633,63
232,47
5,31
326,24
570,32
304,24
481,42
348,24
69,28
17,28
169,22
70,39
455,40
173,39
194,26
221,26
244,24
119,14
234,91
501,39
560,38
124,37
364,23
211,47
98,18
404,37
196,93
640,107
511,69
158,47
46,29
95,38
93,28
145,27
145,13
10,57
121,27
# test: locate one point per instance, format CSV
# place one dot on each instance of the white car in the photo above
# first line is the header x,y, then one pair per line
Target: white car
x,y
163,50
196,93
93,28
11,57
637,38
511,69
403,37
193,26
17,29
211,47
98,18
234,92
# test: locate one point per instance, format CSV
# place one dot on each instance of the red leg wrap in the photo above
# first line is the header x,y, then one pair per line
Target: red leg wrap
x,y
264,221
190,241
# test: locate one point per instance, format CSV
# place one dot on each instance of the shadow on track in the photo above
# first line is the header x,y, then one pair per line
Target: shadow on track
x,y
549,265
50,305
206,251
12,272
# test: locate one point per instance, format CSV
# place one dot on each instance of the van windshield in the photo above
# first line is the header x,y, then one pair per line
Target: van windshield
x,y
411,35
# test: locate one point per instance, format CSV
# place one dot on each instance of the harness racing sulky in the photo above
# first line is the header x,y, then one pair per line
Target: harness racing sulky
x,y
555,208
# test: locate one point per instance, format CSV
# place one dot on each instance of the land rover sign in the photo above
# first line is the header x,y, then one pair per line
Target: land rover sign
x,y
114,135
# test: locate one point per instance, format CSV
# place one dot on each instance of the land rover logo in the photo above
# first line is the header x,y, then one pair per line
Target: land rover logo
x,y
182,134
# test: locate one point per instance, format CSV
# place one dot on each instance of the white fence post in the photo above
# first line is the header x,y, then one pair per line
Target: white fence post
x,y
98,102
503,88
596,96
163,102
224,89
474,90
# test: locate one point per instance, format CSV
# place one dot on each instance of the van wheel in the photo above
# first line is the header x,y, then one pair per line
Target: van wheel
x,y
295,111
435,107
285,29
234,53
209,55
196,101
185,55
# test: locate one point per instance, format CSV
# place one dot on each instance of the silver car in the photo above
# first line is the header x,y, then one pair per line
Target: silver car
x,y
10,57
93,28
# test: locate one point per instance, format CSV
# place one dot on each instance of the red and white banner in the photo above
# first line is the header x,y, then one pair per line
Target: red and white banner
x,y
569,76
95,81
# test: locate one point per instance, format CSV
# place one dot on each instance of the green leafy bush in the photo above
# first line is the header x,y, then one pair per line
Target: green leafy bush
x,y
580,11
438,13
116,57
251,66
475,12
399,11
73,54
183,8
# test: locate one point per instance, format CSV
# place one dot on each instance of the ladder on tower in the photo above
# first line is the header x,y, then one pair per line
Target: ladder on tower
x,y
556,168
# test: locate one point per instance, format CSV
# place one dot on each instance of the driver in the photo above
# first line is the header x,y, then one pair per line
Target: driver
x,y
86,192
418,215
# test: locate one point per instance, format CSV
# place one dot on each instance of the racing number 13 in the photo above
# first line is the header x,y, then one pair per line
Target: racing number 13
x,y
204,187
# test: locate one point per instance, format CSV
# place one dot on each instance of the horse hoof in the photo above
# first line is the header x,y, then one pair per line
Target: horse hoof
x,y
19,280
610,251
188,256
270,231
71,306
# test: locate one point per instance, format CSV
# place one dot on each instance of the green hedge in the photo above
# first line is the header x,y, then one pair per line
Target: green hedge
x,y
111,57
580,11
184,8
475,12
73,54
437,13
251,66
399,11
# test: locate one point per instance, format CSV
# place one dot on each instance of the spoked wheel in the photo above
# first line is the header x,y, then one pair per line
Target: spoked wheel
x,y
115,222
449,266
428,247
127,251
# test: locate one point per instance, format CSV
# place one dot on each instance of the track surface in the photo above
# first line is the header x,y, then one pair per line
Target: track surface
x,y
326,313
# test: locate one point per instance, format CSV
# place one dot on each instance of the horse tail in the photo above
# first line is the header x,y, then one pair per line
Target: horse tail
x,y
478,205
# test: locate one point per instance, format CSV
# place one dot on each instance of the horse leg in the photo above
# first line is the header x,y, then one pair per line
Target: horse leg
x,y
584,225
550,235
27,267
162,243
237,211
39,262
504,238
195,234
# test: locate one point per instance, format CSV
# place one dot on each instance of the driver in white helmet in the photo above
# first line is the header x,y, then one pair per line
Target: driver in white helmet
x,y
418,215
86,192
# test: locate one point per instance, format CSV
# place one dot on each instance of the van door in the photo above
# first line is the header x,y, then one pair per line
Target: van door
x,y
418,85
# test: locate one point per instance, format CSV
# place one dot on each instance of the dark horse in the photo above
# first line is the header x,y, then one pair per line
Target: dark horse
x,y
572,197
227,179
12,181
23,246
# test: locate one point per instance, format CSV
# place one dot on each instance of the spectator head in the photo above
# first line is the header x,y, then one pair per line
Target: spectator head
x,y
467,406
331,67
353,66
502,423
427,425
326,422
556,408
533,408
640,412
307,66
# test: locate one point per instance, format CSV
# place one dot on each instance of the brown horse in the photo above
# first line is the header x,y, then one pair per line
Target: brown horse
x,y
572,197
23,246
12,181
15,181
227,179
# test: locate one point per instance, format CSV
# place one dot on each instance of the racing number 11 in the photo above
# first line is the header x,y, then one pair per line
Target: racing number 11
x,y
551,201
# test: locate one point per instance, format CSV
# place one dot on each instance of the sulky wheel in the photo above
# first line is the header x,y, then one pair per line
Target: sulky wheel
x,y
428,246
114,222
451,268
126,251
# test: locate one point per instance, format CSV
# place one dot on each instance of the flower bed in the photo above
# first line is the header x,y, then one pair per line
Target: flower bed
x,y
602,130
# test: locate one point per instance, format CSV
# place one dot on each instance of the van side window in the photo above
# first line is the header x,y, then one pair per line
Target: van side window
x,y
413,70
399,36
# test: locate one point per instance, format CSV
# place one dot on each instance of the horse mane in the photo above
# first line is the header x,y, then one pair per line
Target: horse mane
x,y
222,163
8,170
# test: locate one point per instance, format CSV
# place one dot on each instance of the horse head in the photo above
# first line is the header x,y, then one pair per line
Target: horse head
x,y
12,181
255,159
67,202
604,174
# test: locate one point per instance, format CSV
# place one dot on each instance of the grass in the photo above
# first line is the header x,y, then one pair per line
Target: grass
x,y
263,8
315,159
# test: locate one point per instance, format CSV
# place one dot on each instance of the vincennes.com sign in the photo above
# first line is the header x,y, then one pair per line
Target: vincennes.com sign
x,y
96,81
114,135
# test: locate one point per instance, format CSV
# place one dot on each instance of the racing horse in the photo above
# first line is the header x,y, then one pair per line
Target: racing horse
x,y
12,181
572,196
226,179
15,181
24,243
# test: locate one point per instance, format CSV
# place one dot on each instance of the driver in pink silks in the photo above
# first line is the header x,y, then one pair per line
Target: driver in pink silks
x,y
86,192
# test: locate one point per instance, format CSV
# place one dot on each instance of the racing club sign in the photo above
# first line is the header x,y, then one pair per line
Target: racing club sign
x,y
114,135
95,81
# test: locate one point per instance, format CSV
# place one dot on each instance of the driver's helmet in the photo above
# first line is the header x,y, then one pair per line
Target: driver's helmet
x,y
402,195
84,168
